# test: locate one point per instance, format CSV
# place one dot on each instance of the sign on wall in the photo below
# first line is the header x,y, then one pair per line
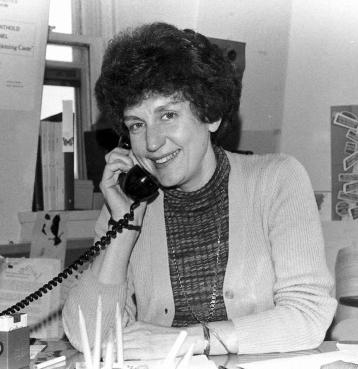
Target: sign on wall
x,y
344,159
19,53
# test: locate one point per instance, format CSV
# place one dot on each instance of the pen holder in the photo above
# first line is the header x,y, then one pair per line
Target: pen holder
x,y
14,342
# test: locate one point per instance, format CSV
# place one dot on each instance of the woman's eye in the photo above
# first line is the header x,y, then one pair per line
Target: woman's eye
x,y
135,126
169,115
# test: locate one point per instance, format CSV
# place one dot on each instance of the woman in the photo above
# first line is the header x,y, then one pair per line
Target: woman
x,y
231,249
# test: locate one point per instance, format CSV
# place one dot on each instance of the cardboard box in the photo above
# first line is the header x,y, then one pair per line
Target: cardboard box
x,y
83,194
14,342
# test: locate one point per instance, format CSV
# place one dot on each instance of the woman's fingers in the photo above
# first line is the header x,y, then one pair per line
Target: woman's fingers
x,y
116,152
117,161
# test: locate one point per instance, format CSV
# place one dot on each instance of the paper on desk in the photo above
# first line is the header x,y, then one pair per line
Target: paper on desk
x,y
23,276
196,362
313,361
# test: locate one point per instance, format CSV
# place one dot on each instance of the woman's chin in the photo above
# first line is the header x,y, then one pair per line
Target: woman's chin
x,y
168,182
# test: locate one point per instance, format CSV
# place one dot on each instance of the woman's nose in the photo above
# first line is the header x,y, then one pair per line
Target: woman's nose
x,y
155,138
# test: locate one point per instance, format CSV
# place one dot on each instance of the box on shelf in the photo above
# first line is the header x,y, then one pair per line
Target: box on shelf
x,y
83,194
98,200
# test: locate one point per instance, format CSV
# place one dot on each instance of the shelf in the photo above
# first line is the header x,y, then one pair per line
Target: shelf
x,y
74,248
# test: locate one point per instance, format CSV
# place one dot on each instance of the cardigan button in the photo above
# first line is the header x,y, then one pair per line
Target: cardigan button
x,y
229,294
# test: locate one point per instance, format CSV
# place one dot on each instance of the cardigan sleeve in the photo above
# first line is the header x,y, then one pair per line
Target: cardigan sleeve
x,y
84,294
303,308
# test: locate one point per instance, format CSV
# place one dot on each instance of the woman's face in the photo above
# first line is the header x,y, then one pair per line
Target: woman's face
x,y
170,142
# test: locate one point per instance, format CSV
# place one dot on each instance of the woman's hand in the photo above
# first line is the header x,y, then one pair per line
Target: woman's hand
x,y
144,341
119,160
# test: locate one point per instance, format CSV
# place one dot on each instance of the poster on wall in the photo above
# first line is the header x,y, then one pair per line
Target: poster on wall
x,y
344,162
19,52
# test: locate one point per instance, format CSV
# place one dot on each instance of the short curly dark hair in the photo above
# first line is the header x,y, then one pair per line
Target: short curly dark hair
x,y
160,58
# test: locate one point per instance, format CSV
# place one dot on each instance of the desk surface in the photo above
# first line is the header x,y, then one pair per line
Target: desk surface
x,y
63,347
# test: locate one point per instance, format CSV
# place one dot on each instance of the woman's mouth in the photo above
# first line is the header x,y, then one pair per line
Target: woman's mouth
x,y
166,159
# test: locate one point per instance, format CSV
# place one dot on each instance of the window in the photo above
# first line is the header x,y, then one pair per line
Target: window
x,y
60,21
70,73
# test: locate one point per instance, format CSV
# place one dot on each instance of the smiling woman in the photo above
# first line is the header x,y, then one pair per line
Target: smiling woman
x,y
231,248
171,142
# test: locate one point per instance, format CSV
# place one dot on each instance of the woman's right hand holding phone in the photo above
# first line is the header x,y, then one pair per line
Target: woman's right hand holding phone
x,y
118,161
116,257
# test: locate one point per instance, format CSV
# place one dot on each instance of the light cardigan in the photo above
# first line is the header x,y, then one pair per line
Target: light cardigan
x,y
277,285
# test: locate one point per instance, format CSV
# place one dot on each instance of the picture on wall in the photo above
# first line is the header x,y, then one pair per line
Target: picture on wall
x,y
344,162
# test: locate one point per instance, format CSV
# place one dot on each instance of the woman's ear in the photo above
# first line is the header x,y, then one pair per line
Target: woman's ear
x,y
214,126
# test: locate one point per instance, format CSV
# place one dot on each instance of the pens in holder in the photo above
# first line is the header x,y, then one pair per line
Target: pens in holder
x,y
119,337
84,338
108,359
97,341
185,362
169,361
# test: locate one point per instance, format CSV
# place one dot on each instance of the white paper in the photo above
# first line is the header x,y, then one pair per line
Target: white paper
x,y
314,361
23,276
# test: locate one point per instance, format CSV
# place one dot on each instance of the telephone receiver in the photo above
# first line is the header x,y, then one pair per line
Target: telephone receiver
x,y
139,185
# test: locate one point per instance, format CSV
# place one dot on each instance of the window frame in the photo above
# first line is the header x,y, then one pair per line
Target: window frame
x,y
88,73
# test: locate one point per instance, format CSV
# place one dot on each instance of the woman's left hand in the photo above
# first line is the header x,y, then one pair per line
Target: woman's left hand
x,y
144,341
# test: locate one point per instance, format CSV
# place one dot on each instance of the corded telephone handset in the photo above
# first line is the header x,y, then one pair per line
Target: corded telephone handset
x,y
137,184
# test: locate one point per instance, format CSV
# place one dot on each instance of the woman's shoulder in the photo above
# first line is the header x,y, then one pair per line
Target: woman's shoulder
x,y
259,163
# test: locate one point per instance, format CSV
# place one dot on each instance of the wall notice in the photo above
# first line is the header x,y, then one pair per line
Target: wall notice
x,y
19,54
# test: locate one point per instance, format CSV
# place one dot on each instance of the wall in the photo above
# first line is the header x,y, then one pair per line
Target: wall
x,y
263,26
181,13
322,71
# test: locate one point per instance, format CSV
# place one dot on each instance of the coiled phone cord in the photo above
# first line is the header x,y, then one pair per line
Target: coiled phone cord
x,y
88,255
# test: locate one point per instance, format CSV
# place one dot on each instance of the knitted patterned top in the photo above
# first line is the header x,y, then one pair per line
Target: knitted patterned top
x,y
197,226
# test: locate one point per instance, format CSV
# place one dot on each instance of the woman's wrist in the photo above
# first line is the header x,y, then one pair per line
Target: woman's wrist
x,y
122,223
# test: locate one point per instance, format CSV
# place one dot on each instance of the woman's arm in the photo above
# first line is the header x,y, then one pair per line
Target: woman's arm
x,y
100,279
303,308
107,275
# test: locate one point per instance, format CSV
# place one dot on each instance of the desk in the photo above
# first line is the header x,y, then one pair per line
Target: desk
x,y
63,347
230,361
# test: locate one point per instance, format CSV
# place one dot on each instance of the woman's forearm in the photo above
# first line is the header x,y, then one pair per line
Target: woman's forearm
x,y
114,260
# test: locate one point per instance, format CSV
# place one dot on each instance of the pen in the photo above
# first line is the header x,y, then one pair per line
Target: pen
x,y
50,362
84,339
